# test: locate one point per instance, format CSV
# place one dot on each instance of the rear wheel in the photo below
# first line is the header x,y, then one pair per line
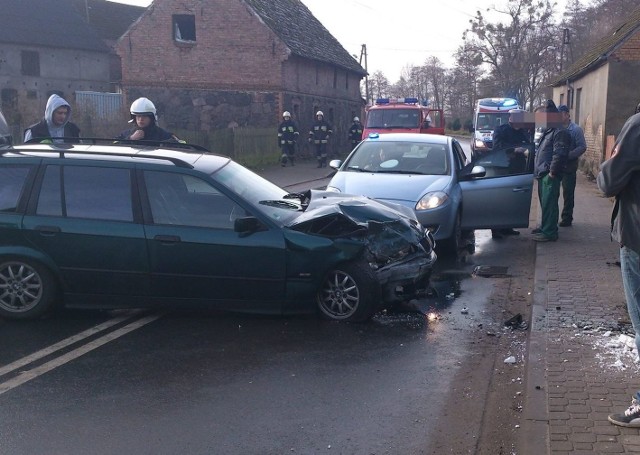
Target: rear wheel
x,y
349,292
27,289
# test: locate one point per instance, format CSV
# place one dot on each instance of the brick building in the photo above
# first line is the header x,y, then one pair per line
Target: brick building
x,y
216,64
601,89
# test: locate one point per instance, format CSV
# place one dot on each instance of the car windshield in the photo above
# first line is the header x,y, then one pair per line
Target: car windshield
x,y
400,157
490,121
393,118
258,191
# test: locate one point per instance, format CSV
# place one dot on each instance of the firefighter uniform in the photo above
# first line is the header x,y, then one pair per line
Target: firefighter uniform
x,y
355,132
319,135
287,137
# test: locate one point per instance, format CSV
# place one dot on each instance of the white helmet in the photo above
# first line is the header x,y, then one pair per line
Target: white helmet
x,y
143,106
319,113
286,114
356,119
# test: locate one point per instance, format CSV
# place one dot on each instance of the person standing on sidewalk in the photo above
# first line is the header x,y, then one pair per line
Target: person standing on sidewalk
x,y
319,136
578,147
619,176
551,157
287,137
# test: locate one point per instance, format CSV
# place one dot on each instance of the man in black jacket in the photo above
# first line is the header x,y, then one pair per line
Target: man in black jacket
x,y
143,113
551,158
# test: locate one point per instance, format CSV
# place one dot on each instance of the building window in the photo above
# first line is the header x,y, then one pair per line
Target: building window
x,y
30,63
184,28
335,77
9,98
561,98
346,80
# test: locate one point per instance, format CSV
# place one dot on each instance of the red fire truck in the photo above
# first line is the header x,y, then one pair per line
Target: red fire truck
x,y
402,115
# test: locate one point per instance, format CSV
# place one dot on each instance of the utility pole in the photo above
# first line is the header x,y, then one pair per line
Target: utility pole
x,y
566,51
363,53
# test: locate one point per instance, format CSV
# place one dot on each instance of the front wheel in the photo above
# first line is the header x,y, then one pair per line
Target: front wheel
x,y
27,289
349,292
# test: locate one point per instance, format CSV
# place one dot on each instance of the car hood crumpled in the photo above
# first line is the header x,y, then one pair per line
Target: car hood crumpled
x,y
398,187
391,231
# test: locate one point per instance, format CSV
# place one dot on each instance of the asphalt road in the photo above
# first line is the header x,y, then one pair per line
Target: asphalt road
x,y
415,381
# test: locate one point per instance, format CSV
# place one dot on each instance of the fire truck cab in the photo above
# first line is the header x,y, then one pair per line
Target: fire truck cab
x,y
402,115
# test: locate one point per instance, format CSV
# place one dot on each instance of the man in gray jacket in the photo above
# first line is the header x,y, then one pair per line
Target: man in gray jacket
x,y
578,147
620,177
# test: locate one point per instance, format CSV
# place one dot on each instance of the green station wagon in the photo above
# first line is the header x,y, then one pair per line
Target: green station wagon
x,y
100,225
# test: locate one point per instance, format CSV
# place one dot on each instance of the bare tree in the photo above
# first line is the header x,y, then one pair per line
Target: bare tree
x,y
517,49
379,85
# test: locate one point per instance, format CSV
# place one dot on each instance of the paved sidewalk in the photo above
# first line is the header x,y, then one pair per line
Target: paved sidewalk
x,y
576,374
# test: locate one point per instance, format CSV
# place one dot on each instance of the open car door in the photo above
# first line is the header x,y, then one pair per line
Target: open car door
x,y
502,197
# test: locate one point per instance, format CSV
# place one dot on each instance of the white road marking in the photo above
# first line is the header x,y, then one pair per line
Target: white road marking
x,y
28,375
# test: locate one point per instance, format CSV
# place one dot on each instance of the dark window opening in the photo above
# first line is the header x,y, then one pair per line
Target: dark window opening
x,y
9,98
335,78
184,28
30,63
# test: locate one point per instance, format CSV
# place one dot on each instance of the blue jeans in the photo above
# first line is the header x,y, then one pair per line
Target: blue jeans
x,y
630,266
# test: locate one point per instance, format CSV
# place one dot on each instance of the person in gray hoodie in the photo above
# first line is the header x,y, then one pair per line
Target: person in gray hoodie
x,y
619,176
55,123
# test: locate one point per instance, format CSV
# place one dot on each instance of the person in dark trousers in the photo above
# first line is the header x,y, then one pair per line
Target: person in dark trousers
x,y
287,137
319,135
513,137
144,115
578,147
619,176
55,124
355,132
551,158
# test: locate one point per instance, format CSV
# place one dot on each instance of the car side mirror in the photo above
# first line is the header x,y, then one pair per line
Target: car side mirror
x,y
247,225
335,164
475,173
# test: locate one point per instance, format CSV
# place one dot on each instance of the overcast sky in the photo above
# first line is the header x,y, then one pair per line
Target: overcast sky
x,y
396,33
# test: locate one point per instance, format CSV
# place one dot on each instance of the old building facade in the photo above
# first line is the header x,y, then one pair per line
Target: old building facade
x,y
601,89
46,48
216,64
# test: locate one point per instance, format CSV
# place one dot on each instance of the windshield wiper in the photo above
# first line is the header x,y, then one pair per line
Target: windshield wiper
x,y
281,204
397,171
356,168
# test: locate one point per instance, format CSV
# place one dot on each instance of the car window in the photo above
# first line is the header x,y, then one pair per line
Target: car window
x,y
507,161
12,180
461,157
89,192
185,200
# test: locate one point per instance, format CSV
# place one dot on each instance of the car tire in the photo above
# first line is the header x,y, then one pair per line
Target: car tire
x,y
349,292
452,245
27,289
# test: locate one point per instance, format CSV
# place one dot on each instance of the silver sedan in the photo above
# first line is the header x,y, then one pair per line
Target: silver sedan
x,y
431,175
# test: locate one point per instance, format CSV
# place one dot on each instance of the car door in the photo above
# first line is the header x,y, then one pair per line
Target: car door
x,y
84,218
501,198
195,254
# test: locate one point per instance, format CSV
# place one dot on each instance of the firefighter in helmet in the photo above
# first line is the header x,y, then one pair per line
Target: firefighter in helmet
x,y
144,116
319,136
287,137
355,132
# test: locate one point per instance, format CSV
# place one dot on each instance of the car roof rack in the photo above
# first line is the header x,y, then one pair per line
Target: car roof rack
x,y
107,141
177,161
